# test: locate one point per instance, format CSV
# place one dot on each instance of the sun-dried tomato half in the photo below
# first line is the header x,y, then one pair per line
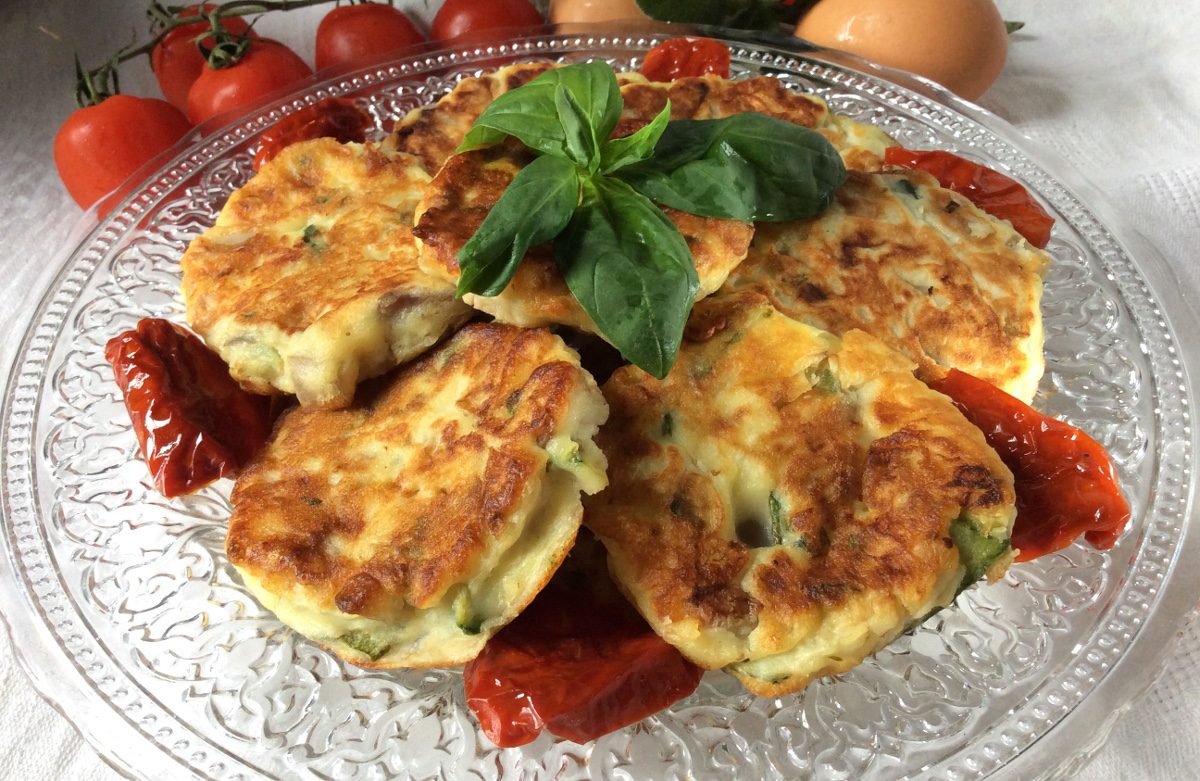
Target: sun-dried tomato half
x,y
336,118
1065,481
195,424
578,661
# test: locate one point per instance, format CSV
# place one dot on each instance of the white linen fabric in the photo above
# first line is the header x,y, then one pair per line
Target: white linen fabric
x,y
1110,85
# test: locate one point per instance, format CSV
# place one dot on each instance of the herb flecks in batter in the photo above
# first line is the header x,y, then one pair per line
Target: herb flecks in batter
x,y
823,379
779,519
513,400
310,238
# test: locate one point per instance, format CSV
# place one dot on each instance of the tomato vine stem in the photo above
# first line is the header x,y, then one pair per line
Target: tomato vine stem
x,y
93,86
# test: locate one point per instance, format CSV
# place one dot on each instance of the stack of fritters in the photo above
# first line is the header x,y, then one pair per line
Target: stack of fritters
x,y
785,502
469,184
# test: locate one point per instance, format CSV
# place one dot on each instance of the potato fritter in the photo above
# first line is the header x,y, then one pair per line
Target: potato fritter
x,y
916,266
405,530
309,282
786,502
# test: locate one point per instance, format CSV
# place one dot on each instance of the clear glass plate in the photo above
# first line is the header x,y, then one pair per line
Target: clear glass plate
x,y
130,620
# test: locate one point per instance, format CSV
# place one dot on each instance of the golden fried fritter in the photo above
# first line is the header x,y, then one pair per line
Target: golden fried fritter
x,y
403,531
786,502
916,266
309,282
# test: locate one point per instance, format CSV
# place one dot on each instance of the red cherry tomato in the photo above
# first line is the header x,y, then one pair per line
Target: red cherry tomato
x,y
266,67
578,661
990,190
1065,481
193,421
458,17
336,118
98,147
352,32
680,58
178,63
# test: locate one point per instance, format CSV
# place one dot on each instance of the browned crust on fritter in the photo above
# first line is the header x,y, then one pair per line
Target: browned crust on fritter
x,y
432,133
385,536
289,284
860,273
711,97
673,533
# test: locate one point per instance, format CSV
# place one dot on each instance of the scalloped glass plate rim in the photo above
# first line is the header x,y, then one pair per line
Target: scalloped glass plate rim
x,y
1062,750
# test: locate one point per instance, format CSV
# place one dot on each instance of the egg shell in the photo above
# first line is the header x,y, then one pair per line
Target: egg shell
x,y
565,11
961,44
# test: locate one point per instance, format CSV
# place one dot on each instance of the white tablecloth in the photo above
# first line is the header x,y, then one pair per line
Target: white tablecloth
x,y
1111,85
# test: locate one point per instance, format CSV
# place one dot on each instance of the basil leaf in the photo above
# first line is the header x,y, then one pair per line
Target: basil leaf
x,y
531,112
534,209
620,152
578,140
741,14
479,136
631,271
594,87
754,15
748,167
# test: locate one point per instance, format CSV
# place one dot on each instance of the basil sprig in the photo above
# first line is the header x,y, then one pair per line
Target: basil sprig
x,y
627,264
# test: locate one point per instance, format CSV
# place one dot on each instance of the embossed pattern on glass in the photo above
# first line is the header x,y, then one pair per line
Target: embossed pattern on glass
x,y
147,610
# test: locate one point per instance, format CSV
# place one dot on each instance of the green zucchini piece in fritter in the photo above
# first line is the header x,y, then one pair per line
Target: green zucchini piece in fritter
x,y
976,551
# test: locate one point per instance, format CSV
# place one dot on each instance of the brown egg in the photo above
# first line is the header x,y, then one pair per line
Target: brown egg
x,y
960,44
593,10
